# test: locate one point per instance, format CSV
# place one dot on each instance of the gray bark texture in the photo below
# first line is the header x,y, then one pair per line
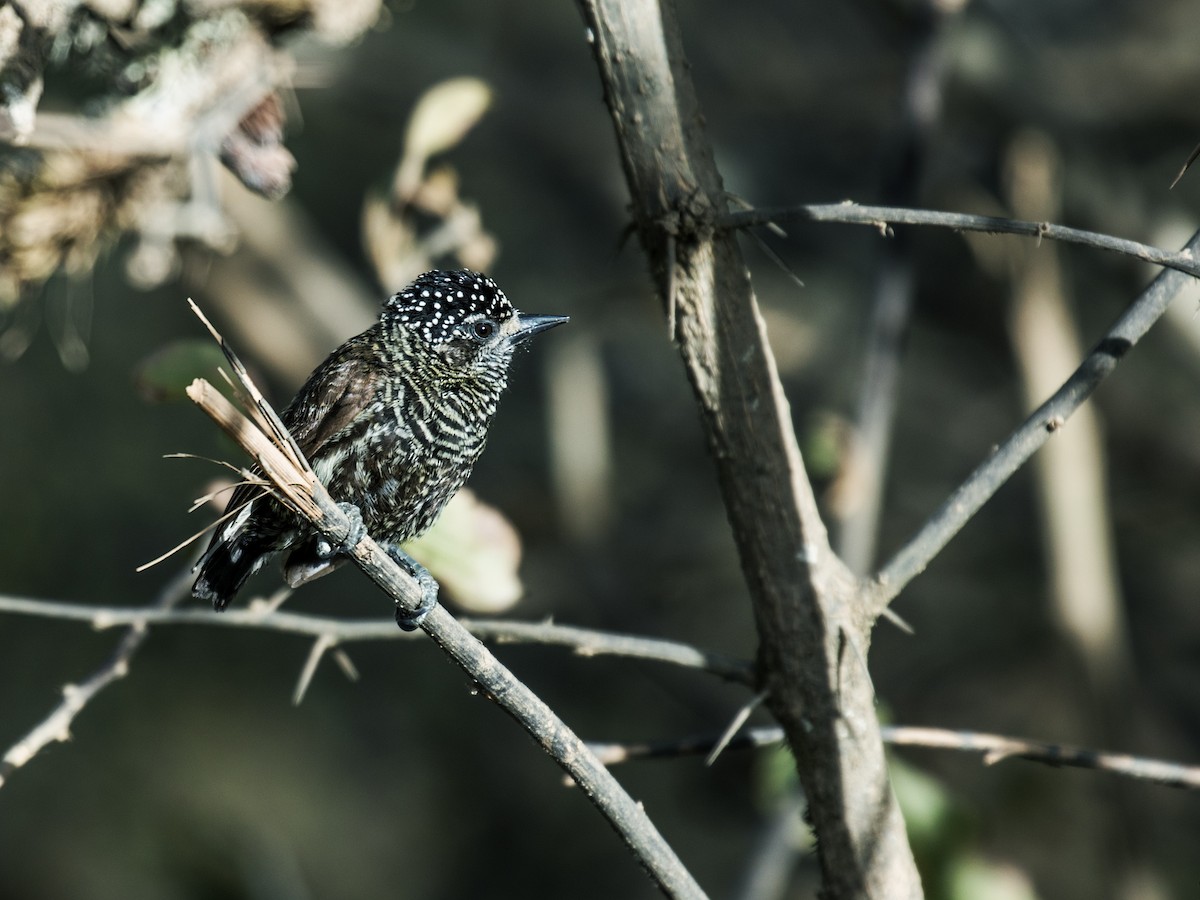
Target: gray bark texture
x,y
812,616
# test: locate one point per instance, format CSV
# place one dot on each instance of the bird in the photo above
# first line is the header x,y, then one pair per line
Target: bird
x,y
393,421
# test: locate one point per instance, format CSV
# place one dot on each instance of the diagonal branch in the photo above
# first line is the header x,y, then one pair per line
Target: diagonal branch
x,y
296,486
961,506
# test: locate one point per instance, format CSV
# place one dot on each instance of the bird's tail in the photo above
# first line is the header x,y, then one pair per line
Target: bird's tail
x,y
223,570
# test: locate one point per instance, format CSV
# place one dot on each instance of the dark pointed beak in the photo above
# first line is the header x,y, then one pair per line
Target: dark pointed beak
x,y
531,325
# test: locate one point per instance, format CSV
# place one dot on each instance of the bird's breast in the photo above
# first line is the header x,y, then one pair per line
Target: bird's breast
x,y
401,466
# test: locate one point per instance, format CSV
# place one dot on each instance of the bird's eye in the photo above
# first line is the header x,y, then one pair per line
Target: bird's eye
x,y
483,329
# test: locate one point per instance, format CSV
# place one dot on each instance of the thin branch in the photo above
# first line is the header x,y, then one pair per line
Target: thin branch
x,y
588,642
319,647
57,725
970,496
881,217
584,641
997,748
734,726
994,748
864,478
613,754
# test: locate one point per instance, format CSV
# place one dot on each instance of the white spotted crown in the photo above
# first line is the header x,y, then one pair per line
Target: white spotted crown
x,y
438,302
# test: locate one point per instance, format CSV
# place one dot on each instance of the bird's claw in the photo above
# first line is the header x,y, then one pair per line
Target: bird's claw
x,y
326,549
410,620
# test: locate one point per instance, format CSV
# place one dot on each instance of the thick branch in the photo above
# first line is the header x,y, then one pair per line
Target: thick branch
x,y
812,627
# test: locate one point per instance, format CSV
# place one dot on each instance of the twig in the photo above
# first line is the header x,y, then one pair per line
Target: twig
x,y
584,641
997,748
588,642
891,307
994,748
319,648
734,726
880,217
292,478
962,505
57,725
612,754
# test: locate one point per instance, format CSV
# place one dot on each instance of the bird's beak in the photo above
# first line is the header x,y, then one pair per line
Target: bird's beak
x,y
528,326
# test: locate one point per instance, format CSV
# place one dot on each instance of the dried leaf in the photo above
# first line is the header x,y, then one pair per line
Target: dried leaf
x,y
474,553
441,119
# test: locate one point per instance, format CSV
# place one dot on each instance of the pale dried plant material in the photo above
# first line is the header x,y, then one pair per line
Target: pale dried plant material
x,y
22,53
52,222
440,120
186,85
579,435
398,250
258,429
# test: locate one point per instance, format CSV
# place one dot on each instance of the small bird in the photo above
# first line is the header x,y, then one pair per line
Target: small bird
x,y
393,422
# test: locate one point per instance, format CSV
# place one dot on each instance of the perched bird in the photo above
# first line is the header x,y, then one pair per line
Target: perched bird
x,y
392,422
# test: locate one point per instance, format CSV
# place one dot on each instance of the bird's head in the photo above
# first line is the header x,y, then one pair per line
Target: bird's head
x,y
463,320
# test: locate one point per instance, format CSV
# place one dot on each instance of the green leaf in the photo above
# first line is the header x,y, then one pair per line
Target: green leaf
x,y
165,374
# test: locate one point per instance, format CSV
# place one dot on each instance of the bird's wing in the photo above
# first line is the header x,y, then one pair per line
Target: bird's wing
x,y
339,389
334,395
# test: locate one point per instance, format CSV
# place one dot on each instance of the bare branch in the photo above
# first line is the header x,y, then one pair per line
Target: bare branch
x,y
588,642
319,648
997,748
57,725
882,217
994,748
969,497
864,476
613,754
584,641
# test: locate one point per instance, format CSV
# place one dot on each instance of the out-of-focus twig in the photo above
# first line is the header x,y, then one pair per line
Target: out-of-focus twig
x,y
398,248
57,725
1071,471
580,444
862,480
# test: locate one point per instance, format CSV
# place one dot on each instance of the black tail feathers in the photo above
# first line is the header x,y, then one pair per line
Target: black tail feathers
x,y
224,569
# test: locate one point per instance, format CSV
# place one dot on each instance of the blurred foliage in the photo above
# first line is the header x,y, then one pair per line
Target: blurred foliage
x,y
166,373
194,777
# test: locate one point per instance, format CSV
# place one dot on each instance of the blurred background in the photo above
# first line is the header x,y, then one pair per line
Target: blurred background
x,y
1065,611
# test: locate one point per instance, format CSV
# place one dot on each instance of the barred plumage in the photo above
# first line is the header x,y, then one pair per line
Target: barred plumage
x,y
392,422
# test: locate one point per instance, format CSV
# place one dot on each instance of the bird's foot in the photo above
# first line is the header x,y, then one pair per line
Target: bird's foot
x,y
411,621
325,548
